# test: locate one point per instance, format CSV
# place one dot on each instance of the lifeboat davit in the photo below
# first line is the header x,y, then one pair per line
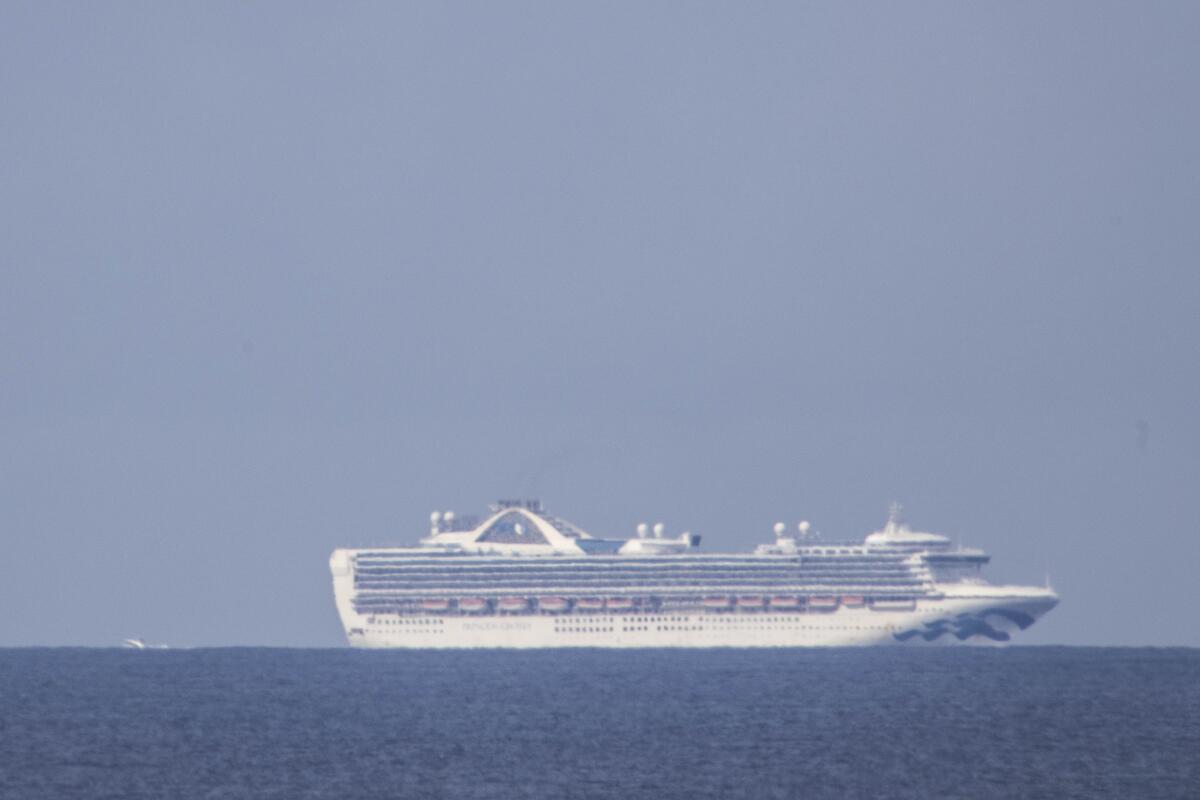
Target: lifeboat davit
x,y
619,603
751,601
589,604
554,604
472,605
513,604
785,602
852,600
435,604
823,603
715,602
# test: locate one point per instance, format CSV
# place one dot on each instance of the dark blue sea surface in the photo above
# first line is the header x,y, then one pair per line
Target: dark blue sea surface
x,y
233,723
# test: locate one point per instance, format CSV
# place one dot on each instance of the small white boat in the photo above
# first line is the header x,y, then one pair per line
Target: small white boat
x,y
619,603
785,602
435,604
852,600
140,644
716,602
589,604
751,601
472,605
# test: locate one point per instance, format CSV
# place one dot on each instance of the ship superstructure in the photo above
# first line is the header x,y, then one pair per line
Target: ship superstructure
x,y
522,577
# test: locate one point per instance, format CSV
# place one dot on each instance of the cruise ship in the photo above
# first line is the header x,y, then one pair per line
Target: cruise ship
x,y
525,578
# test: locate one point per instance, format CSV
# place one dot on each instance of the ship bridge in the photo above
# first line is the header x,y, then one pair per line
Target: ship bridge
x,y
897,536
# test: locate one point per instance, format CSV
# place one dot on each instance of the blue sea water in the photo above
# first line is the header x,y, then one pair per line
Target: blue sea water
x,y
277,723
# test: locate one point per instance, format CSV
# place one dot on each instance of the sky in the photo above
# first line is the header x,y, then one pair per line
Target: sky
x,y
281,277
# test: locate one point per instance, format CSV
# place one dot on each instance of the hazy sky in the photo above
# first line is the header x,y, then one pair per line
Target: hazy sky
x,y
278,277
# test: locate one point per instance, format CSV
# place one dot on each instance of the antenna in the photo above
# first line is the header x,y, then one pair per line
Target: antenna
x,y
894,512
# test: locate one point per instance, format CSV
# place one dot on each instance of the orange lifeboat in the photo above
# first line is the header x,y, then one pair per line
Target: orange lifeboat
x,y
785,602
554,604
823,603
513,604
472,605
716,603
435,604
589,604
852,601
619,603
751,601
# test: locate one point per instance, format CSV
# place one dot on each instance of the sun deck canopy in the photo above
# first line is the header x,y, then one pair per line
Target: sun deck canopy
x,y
518,527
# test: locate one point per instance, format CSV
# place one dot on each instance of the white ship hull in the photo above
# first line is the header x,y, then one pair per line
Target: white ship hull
x,y
989,618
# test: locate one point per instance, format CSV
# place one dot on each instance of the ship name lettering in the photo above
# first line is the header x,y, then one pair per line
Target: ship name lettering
x,y
496,626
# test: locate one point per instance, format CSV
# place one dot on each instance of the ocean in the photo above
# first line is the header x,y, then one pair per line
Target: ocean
x,y
861,723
